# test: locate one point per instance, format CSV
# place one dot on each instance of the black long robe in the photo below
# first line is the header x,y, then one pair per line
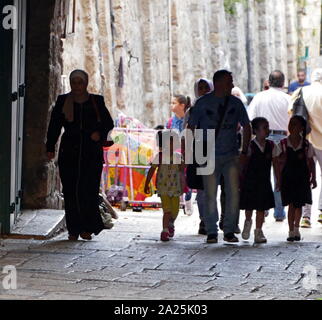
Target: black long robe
x,y
80,161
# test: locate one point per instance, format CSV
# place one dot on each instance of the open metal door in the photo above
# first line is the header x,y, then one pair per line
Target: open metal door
x,y
18,94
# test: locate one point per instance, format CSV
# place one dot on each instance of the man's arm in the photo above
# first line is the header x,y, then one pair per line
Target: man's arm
x,y
247,136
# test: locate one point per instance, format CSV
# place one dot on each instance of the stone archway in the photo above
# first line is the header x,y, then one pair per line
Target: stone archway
x,y
43,73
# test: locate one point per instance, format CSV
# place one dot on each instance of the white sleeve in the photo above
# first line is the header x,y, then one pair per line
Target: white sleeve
x,y
277,150
252,109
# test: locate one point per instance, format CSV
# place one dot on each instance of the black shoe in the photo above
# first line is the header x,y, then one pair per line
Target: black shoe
x,y
212,238
202,231
230,237
237,231
297,239
290,239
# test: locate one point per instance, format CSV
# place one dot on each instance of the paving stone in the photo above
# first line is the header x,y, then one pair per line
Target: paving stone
x,y
131,263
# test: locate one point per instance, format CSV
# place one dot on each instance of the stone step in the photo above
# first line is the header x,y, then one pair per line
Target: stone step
x,y
39,224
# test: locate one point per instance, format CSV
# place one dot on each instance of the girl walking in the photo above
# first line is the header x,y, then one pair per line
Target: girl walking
x,y
170,172
179,106
297,174
256,191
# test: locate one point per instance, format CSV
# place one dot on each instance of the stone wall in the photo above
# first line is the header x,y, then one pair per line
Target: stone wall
x,y
138,53
157,48
309,30
43,71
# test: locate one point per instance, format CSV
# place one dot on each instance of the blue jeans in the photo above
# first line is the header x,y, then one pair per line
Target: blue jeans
x,y
201,203
279,211
188,195
229,168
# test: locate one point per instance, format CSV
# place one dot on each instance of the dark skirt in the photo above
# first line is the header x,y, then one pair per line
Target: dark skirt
x,y
295,186
257,193
256,188
80,166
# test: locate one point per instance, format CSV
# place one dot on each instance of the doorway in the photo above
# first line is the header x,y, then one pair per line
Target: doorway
x,y
18,94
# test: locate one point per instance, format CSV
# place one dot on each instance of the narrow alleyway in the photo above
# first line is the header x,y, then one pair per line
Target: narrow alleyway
x,y
129,262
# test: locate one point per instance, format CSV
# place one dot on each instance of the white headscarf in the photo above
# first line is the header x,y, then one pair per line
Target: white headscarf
x,y
211,86
68,108
239,94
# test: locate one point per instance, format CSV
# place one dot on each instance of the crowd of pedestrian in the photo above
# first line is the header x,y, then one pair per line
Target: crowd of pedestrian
x,y
251,145
246,144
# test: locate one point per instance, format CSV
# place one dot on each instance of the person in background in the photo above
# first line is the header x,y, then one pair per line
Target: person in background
x,y
256,189
312,96
87,123
209,111
273,105
266,85
301,76
179,106
202,87
237,92
297,172
170,168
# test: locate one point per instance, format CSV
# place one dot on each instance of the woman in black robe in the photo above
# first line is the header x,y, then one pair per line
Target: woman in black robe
x,y
87,123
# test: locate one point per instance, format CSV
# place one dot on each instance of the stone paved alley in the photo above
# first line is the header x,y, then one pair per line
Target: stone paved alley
x,y
129,262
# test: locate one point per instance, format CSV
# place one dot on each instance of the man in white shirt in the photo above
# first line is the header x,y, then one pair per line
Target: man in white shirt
x,y
312,96
273,104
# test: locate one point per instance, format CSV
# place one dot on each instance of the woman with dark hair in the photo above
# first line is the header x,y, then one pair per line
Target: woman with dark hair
x,y
86,122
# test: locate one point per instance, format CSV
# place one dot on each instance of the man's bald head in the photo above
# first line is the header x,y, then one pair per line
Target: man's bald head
x,y
277,79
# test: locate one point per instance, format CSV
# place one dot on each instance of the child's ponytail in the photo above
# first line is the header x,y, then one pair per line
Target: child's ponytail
x,y
184,100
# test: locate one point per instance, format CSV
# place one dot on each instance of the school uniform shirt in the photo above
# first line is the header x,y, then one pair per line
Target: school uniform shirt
x,y
275,153
310,152
272,104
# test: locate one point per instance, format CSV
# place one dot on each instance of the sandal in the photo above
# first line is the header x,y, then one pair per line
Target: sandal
x,y
86,236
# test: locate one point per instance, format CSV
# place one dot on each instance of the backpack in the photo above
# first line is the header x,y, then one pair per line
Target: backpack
x,y
169,124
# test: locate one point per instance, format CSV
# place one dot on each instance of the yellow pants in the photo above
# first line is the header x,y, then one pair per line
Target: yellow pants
x,y
171,205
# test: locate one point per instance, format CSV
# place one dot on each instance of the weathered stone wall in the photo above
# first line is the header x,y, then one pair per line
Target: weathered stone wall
x,y
43,70
161,47
309,29
138,53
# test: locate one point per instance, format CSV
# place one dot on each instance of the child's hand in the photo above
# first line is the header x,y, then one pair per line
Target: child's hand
x,y
314,183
